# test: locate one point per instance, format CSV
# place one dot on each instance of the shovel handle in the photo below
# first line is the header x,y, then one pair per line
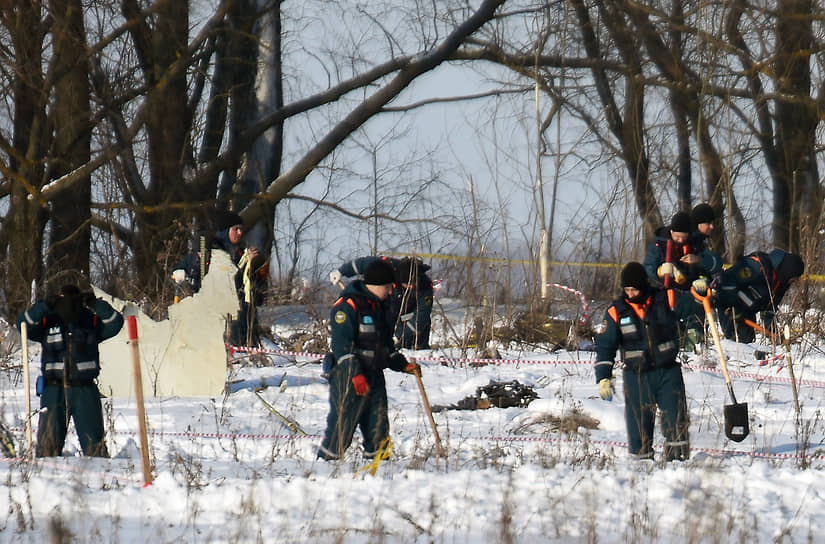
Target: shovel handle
x,y
735,409
24,344
668,279
705,300
759,328
429,411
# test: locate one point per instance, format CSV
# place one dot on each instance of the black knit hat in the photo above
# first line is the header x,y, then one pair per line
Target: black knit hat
x,y
225,219
379,273
69,290
634,275
791,267
680,222
702,213
407,271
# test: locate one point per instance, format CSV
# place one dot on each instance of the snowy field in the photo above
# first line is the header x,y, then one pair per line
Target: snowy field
x,y
227,470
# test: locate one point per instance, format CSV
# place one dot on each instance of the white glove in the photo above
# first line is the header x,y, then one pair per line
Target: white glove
x,y
666,269
179,275
335,277
679,276
701,286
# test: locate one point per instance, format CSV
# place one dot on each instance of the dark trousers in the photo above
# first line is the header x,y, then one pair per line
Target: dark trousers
x,y
83,407
690,312
643,393
737,329
347,411
244,330
413,327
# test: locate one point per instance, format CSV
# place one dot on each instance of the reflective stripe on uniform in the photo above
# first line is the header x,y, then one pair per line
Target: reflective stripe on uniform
x,y
628,329
29,320
346,357
634,354
666,346
86,365
110,318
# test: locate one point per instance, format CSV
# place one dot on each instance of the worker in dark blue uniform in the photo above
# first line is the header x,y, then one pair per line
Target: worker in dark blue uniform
x,y
362,347
411,302
415,304
690,259
755,284
251,280
69,326
642,325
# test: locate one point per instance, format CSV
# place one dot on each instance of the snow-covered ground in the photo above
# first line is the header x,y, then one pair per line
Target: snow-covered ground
x,y
227,470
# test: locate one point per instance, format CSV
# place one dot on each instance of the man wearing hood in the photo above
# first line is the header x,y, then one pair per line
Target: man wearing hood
x,y
642,325
755,284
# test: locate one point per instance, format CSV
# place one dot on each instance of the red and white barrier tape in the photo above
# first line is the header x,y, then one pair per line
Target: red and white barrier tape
x,y
475,361
759,377
480,361
246,349
189,434
585,306
613,443
487,438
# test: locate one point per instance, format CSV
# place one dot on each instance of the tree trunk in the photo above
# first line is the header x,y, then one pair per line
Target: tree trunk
x,y
26,217
264,158
167,130
797,192
70,232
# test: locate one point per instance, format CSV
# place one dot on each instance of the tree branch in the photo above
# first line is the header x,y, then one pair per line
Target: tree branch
x,y
418,65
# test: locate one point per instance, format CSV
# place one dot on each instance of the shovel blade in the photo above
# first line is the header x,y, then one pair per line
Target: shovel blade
x,y
736,421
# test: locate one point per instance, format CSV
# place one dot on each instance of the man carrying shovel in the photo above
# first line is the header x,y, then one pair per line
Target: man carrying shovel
x,y
642,325
362,347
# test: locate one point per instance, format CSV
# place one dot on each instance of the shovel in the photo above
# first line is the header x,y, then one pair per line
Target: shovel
x,y
736,414
429,411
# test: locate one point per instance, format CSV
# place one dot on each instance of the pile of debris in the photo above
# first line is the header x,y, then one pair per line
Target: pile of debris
x,y
499,394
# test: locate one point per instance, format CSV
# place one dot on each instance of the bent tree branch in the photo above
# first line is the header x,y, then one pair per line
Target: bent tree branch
x,y
413,68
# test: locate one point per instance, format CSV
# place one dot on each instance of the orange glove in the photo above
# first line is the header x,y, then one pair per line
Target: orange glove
x,y
413,368
359,381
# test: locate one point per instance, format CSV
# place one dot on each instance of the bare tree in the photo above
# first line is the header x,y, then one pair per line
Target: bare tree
x,y
167,118
632,57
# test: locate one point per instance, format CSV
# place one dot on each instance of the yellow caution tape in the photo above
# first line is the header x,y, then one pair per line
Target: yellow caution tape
x,y
809,277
